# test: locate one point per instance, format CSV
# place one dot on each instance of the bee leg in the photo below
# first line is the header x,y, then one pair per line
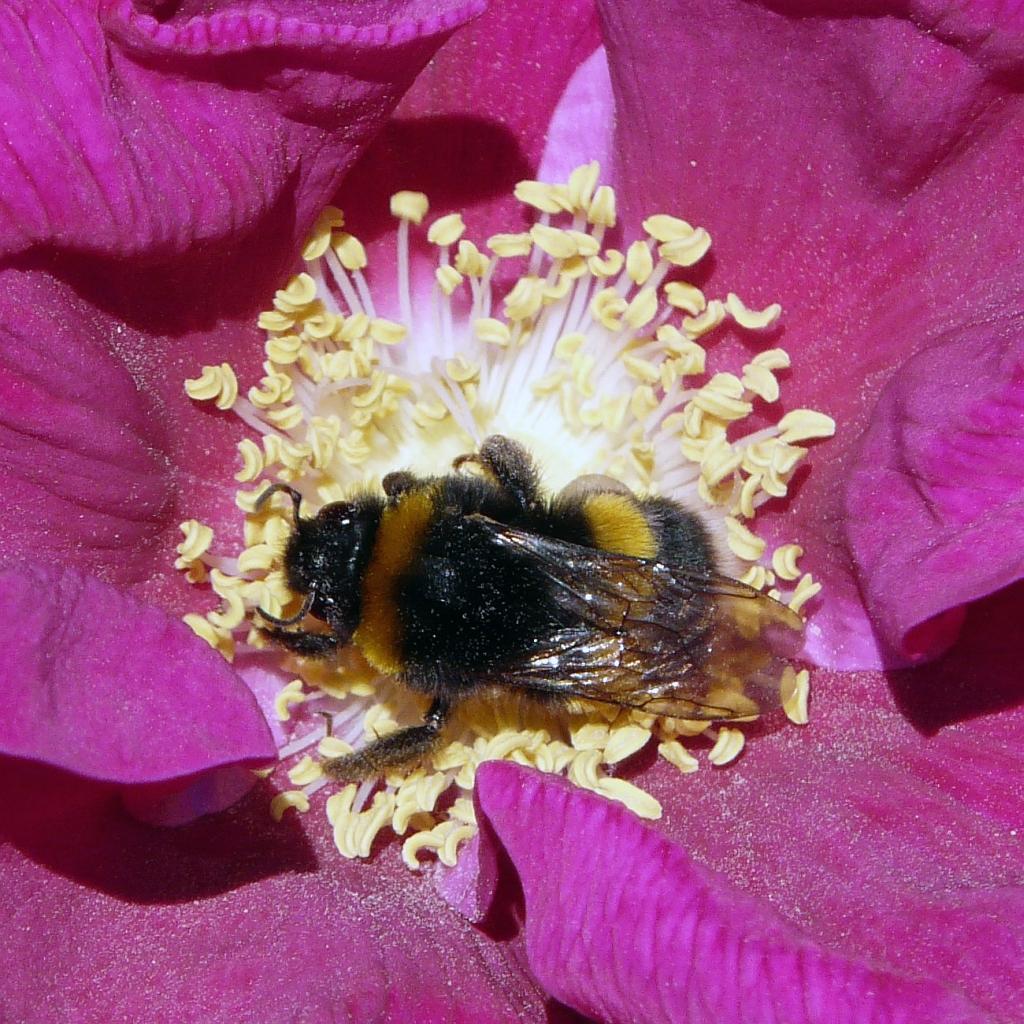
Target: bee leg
x,y
394,751
511,467
311,645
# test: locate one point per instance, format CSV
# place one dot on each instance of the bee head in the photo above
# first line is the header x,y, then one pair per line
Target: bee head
x,y
325,559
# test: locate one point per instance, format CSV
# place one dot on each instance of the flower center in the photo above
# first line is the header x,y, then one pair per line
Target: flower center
x,y
594,359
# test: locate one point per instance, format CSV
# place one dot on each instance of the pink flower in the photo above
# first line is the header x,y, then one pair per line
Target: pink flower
x,y
860,169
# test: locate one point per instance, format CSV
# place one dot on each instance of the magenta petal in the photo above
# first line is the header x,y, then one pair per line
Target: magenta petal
x,y
860,165
153,129
235,919
623,926
939,487
106,687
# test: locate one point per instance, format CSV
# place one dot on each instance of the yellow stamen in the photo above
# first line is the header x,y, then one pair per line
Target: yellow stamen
x,y
590,359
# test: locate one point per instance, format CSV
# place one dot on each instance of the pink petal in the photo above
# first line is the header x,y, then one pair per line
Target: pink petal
x,y
85,480
231,920
939,486
624,926
890,828
862,170
476,121
582,125
222,115
112,689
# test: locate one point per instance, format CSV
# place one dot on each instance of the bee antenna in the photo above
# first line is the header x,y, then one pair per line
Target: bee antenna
x,y
307,603
275,489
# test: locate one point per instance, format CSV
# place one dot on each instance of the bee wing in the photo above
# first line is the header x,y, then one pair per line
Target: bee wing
x,y
663,639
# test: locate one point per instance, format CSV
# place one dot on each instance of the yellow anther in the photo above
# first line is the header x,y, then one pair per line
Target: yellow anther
x,y
687,297
558,244
198,538
745,502
411,206
304,772
333,746
417,842
510,245
320,326
231,615
727,746
543,197
699,325
756,576
350,251
294,455
685,252
583,769
292,798
298,292
639,262
761,381
722,397
664,228
286,697
742,542
448,278
549,383
606,307
569,344
589,735
795,690
642,402
492,332
613,412
388,332
641,369
339,805
718,461
640,803
320,237
601,211
691,361
355,327
462,370
274,320
784,561
582,366
469,260
607,266
525,298
446,230
675,753
257,558
642,309
772,359
624,742
216,383
559,290
805,425
750,318
582,182
587,247
267,394
805,590
286,418
283,349
219,639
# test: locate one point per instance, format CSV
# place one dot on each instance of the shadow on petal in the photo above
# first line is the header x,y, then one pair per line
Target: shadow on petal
x,y
954,688
79,829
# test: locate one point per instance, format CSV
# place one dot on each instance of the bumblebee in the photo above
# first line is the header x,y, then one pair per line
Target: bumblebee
x,y
472,582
